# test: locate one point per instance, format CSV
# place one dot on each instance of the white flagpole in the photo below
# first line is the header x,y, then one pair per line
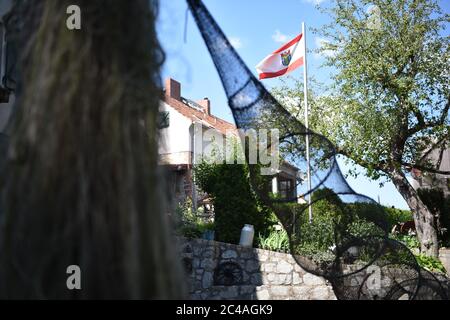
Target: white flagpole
x,y
305,93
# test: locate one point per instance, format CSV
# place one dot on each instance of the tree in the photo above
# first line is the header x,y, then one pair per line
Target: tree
x,y
390,94
439,205
78,187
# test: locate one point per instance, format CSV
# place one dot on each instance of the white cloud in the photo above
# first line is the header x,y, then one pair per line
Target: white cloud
x,y
320,42
235,42
280,37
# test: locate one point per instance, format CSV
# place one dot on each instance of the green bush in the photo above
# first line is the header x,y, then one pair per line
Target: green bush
x,y
410,241
187,222
332,219
430,263
318,234
361,228
395,216
235,204
287,212
413,244
372,212
315,240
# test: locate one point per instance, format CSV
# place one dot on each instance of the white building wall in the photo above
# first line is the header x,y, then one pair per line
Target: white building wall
x,y
5,112
175,140
210,145
5,108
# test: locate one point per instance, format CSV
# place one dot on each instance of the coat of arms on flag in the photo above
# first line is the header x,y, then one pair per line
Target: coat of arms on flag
x,y
287,58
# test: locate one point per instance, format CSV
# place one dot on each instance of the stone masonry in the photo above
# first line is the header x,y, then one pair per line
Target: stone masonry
x,y
217,270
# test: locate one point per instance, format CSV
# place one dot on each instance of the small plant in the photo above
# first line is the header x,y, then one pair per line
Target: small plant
x,y
362,228
430,263
275,241
188,223
320,257
410,240
395,216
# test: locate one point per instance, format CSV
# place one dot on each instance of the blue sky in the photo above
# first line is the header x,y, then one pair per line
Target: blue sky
x,y
255,28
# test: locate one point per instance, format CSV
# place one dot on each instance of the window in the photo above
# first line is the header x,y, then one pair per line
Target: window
x,y
163,120
4,94
2,30
8,55
286,188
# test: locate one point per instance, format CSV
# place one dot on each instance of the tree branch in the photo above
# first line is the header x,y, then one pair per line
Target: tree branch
x,y
445,111
421,124
425,168
380,166
433,147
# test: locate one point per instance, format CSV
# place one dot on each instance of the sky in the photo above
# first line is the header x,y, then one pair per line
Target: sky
x,y
255,28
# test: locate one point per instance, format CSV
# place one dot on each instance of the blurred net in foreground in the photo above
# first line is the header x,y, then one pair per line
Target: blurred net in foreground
x,y
361,264
79,182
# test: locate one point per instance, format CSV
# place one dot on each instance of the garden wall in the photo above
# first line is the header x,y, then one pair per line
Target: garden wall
x,y
219,270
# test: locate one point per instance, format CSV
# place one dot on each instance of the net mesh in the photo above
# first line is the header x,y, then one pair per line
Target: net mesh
x,y
361,264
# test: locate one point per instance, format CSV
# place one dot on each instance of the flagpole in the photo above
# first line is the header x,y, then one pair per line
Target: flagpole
x,y
305,93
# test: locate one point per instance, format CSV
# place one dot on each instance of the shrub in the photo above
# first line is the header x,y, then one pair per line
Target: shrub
x,y
287,211
430,263
395,216
410,241
333,218
235,204
371,212
187,222
319,234
362,228
315,240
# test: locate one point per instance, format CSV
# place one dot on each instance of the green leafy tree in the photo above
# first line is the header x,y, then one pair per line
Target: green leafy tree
x,y
390,94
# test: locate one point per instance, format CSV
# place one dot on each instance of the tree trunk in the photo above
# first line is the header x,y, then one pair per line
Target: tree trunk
x,y
423,218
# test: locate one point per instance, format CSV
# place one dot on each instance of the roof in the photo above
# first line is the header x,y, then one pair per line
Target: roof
x,y
197,115
436,155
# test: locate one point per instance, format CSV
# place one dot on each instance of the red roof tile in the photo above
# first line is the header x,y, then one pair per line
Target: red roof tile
x,y
219,124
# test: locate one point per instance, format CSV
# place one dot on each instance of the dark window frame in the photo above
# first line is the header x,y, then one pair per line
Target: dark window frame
x,y
286,187
163,120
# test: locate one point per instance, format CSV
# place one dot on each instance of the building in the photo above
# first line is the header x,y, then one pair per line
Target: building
x,y
180,121
427,180
7,75
7,65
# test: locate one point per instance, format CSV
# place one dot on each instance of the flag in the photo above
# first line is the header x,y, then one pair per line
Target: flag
x,y
287,58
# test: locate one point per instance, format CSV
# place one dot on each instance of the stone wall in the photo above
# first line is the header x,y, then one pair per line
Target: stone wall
x,y
444,256
217,270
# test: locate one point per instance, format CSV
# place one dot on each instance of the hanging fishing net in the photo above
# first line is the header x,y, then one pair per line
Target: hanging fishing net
x,y
358,258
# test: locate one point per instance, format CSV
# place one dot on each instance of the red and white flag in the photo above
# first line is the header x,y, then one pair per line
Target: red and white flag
x,y
282,61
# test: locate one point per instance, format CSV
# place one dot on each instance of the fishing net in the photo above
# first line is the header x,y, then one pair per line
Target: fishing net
x,y
360,261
